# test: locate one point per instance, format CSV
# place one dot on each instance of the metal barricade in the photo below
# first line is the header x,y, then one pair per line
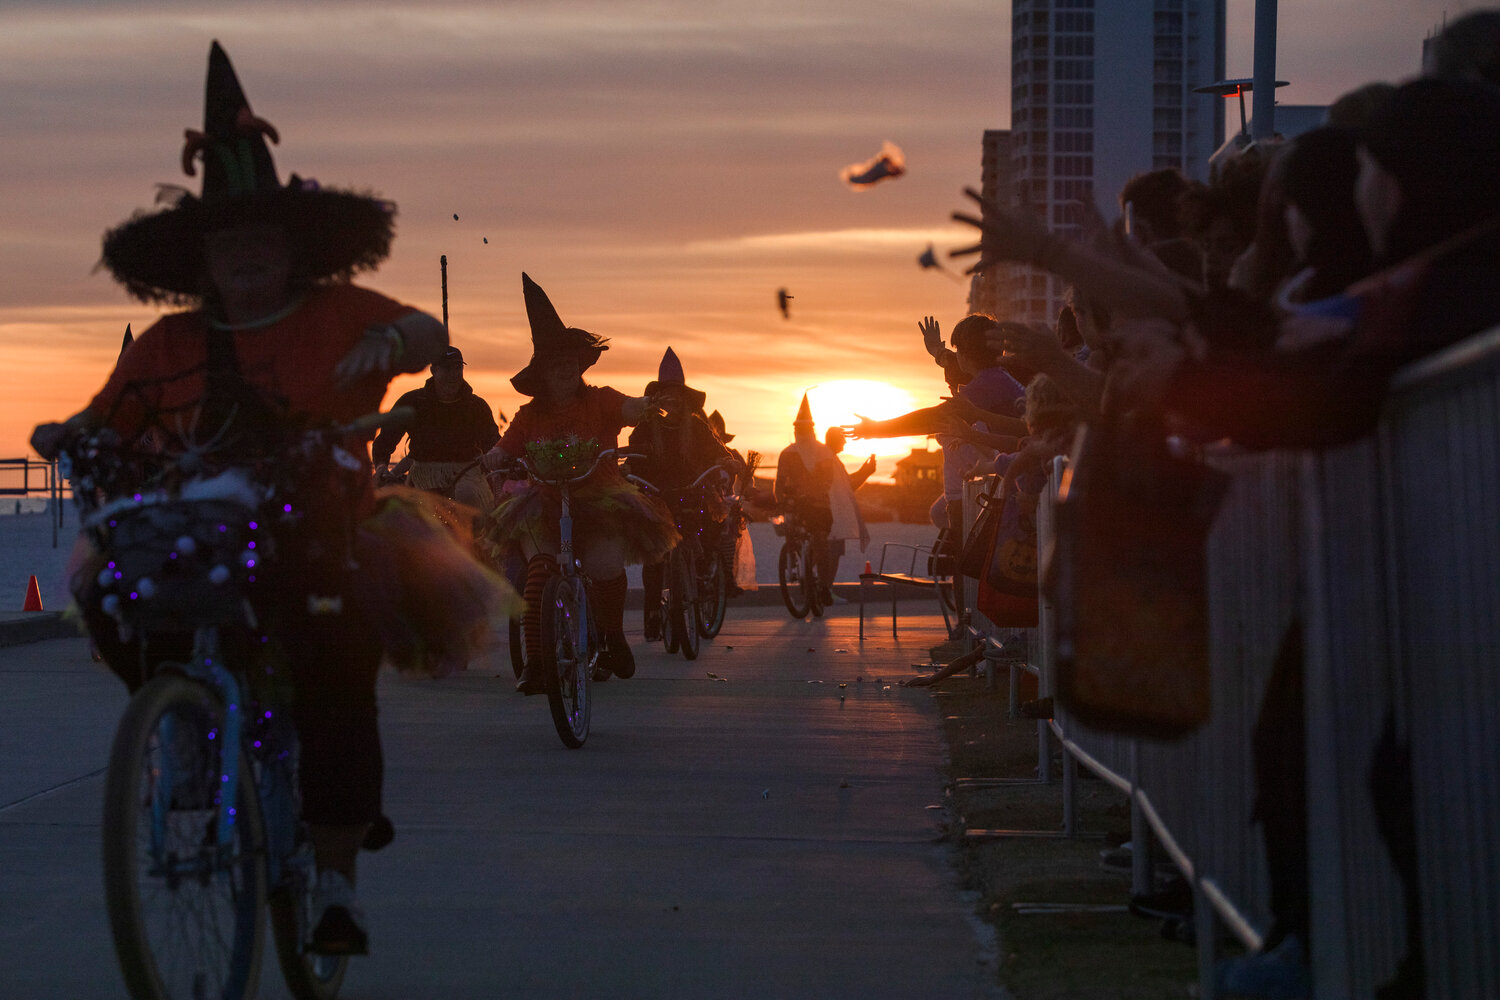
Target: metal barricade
x,y
1442,479
1387,552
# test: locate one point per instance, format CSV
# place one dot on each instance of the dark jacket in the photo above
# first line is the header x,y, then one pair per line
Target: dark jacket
x,y
455,431
675,456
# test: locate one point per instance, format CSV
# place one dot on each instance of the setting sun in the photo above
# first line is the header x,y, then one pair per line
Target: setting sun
x,y
844,401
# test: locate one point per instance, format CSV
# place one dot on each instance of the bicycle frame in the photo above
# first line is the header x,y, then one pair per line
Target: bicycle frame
x,y
274,792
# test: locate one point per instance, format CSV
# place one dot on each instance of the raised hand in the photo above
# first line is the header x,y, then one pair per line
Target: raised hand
x,y
1033,345
377,351
932,336
1005,235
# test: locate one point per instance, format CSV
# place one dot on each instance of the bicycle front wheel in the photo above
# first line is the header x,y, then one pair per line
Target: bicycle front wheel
x,y
713,589
567,659
685,617
184,907
791,573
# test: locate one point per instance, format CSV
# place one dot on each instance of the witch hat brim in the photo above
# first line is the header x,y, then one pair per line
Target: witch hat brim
x,y
716,421
334,234
550,338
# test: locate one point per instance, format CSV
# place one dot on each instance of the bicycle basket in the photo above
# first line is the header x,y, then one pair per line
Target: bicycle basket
x,y
175,564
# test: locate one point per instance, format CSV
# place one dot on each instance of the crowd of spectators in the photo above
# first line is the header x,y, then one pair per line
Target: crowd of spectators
x,y
1268,307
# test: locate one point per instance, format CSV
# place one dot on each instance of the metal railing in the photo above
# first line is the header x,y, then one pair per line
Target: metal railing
x,y
37,477
1388,552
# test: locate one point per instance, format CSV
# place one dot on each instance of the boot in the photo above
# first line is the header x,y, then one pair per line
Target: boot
x,y
609,603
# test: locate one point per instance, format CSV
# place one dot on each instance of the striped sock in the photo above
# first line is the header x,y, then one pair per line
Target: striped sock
x,y
537,572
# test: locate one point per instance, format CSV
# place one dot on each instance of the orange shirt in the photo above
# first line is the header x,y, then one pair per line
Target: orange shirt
x,y
597,411
290,361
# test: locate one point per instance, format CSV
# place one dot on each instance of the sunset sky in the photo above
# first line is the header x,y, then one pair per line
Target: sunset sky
x,y
660,168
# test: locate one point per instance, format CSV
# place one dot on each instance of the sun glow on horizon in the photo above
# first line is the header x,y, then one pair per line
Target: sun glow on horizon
x,y
845,401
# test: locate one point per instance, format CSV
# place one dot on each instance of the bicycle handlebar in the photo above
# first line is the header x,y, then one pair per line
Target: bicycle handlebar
x,y
614,453
652,487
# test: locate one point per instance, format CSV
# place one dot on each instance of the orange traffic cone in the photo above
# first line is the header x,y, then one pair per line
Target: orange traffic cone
x,y
33,596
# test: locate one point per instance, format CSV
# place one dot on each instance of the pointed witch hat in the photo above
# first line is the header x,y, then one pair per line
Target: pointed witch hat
x,y
669,376
804,414
158,256
716,421
550,338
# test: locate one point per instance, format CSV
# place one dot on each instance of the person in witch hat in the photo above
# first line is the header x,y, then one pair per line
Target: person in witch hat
x,y
806,472
275,339
613,522
679,445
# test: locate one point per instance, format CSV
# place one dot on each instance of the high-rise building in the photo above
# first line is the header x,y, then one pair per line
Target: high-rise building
x,y
987,288
1102,90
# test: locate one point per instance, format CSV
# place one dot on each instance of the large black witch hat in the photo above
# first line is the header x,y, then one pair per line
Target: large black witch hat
x,y
550,338
158,256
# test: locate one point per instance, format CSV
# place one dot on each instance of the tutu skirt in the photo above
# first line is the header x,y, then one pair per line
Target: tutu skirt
x,y
422,582
610,509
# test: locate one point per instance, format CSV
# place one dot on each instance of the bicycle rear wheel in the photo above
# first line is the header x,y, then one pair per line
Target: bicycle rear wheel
x,y
567,659
792,576
671,631
184,909
713,589
685,616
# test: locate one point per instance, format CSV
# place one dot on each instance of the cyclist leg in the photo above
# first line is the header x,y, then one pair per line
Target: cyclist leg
x,y
334,660
819,523
729,536
540,565
833,553
604,561
652,576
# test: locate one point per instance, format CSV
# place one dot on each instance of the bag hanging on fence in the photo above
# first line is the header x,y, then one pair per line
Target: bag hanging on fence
x,y
1011,566
1004,597
974,558
1128,576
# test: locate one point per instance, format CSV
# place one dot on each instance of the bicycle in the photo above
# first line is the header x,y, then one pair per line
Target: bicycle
x,y
569,637
201,827
797,566
695,582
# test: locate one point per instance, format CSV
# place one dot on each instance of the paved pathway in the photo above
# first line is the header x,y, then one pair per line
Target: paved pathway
x,y
744,835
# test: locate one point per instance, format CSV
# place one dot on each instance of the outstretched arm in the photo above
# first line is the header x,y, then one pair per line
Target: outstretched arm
x,y
965,411
1131,290
917,422
636,408
409,343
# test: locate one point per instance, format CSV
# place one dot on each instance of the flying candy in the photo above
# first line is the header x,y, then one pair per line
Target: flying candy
x,y
888,164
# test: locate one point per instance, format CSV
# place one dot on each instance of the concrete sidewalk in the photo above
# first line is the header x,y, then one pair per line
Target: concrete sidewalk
x,y
737,827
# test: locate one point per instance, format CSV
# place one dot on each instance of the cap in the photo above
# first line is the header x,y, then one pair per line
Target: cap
x,y
452,356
